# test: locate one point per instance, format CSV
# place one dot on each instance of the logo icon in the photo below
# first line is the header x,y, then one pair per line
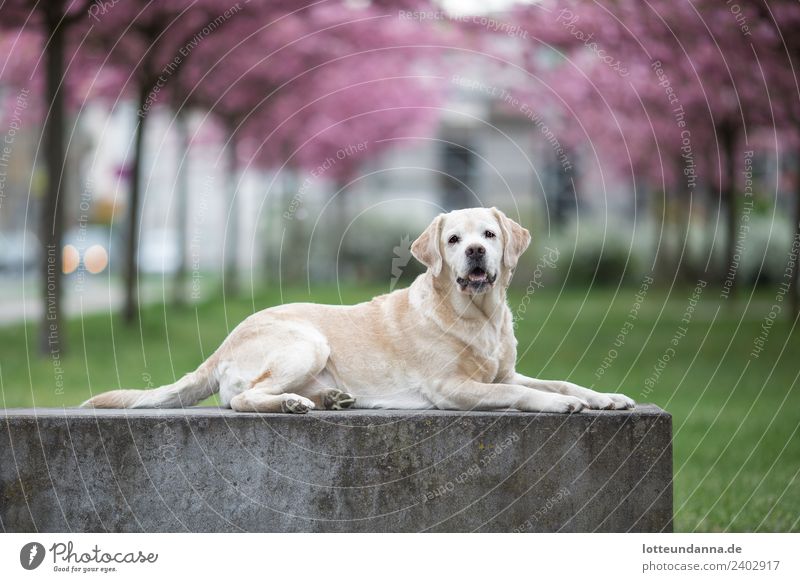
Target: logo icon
x,y
31,555
402,254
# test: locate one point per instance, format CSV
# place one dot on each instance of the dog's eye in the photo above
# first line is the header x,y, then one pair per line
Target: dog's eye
x,y
453,239
489,234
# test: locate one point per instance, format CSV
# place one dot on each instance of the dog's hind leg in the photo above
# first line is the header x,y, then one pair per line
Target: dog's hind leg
x,y
289,360
260,400
324,393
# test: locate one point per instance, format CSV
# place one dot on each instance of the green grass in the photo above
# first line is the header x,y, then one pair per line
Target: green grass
x,y
737,447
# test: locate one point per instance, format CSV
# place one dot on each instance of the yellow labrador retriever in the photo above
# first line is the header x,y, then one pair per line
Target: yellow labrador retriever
x,y
445,342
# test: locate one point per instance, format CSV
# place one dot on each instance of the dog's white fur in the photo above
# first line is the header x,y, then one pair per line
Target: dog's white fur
x,y
445,342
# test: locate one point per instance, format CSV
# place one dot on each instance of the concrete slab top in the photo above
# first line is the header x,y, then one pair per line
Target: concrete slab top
x,y
641,410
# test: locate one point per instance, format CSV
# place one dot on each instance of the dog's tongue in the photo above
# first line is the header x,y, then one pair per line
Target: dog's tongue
x,y
477,276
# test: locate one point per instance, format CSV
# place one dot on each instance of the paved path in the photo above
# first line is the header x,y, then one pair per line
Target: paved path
x,y
20,303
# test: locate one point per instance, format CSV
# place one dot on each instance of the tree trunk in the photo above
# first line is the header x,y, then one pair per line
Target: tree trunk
x,y
182,207
705,234
683,214
131,260
682,268
662,249
230,278
727,134
51,341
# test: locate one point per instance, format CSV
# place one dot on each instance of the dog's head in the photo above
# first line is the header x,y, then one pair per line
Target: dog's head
x,y
472,248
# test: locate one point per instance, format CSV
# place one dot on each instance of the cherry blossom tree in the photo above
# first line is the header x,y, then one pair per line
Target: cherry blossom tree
x,y
150,43
311,80
677,86
55,24
779,20
168,54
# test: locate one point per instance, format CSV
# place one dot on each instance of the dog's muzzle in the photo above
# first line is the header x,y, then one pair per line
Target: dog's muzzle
x,y
476,280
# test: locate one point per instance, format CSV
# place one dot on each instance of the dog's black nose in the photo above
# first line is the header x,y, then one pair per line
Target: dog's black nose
x,y
474,250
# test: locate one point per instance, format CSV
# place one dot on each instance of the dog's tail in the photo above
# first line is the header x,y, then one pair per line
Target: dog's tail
x,y
189,390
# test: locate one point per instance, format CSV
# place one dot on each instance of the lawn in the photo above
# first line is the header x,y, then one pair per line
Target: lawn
x,y
737,448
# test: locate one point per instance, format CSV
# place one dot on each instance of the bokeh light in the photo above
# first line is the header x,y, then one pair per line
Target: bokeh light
x,y
95,259
71,258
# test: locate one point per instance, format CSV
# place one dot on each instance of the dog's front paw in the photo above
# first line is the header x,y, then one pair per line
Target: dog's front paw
x,y
599,401
565,404
296,404
622,402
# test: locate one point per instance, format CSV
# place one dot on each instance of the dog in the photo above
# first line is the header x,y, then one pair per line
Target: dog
x,y
445,342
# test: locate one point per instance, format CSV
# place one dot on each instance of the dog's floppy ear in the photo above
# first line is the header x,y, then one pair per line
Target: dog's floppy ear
x,y
426,248
515,236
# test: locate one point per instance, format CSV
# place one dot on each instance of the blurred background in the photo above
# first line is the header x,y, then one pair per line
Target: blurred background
x,y
168,168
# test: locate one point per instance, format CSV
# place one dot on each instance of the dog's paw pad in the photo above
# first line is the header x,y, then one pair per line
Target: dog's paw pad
x,y
344,401
296,404
338,400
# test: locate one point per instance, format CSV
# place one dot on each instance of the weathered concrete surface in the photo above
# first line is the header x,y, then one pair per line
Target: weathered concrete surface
x,y
204,469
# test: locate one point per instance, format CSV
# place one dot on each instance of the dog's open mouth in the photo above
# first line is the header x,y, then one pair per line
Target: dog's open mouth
x,y
476,280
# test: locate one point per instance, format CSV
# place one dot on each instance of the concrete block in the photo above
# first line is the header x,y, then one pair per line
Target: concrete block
x,y
210,470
